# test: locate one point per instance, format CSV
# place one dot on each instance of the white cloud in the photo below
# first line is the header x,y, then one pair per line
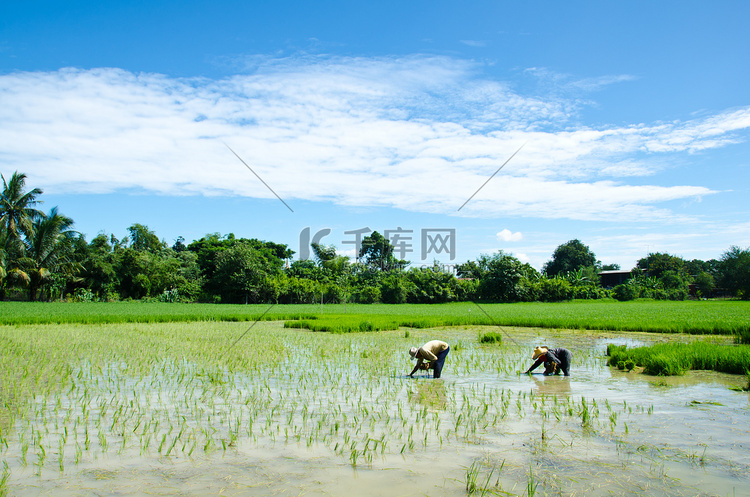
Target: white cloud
x,y
522,257
474,43
508,236
417,133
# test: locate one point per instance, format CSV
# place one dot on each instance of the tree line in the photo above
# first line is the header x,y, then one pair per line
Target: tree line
x,y
43,258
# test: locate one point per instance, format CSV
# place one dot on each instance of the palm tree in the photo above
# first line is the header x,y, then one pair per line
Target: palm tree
x,y
17,213
3,272
48,251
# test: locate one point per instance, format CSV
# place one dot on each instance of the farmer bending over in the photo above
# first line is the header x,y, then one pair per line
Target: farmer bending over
x,y
559,359
434,352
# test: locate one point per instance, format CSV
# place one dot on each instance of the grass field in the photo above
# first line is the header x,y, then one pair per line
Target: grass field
x,y
696,317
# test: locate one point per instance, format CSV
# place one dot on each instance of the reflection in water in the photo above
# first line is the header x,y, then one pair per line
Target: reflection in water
x,y
430,394
552,384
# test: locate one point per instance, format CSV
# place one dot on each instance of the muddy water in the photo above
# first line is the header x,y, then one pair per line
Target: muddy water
x,y
598,432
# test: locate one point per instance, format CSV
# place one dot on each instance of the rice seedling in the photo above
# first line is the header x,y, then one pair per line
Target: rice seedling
x,y
491,337
531,483
4,479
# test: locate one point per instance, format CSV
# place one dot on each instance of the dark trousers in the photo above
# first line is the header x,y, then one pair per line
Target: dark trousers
x,y
565,359
439,363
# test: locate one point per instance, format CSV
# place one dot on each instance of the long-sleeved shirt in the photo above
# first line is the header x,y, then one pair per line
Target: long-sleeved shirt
x,y
560,356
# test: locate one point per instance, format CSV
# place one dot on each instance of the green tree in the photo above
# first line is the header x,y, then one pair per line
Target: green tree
x,y
568,257
704,284
3,264
208,248
501,278
323,253
179,245
431,285
469,269
98,271
337,267
734,271
610,267
395,288
242,271
657,263
132,268
377,253
49,251
17,214
672,280
142,239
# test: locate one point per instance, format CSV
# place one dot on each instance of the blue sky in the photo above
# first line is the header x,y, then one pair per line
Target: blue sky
x,y
632,120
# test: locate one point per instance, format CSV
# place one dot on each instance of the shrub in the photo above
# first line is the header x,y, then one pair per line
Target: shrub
x,y
83,295
555,290
626,292
369,295
589,292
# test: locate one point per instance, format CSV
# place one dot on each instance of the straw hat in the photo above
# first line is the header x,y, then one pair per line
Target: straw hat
x,y
413,352
539,351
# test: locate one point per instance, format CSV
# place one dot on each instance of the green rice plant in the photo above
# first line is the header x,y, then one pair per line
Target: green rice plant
x,y
586,414
491,337
531,483
4,479
472,475
697,317
663,365
472,484
345,324
666,359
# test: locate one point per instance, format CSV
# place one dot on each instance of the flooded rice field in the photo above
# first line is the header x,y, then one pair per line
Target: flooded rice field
x,y
201,409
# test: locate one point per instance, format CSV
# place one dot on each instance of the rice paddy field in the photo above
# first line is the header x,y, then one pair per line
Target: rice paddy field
x,y
696,317
214,407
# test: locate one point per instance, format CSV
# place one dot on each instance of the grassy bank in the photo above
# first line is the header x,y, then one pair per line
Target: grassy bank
x,y
678,358
697,317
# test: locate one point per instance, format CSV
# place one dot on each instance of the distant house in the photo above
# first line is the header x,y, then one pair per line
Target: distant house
x,y
611,279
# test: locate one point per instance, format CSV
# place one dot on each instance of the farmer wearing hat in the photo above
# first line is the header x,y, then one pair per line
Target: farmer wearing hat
x,y
558,359
434,351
